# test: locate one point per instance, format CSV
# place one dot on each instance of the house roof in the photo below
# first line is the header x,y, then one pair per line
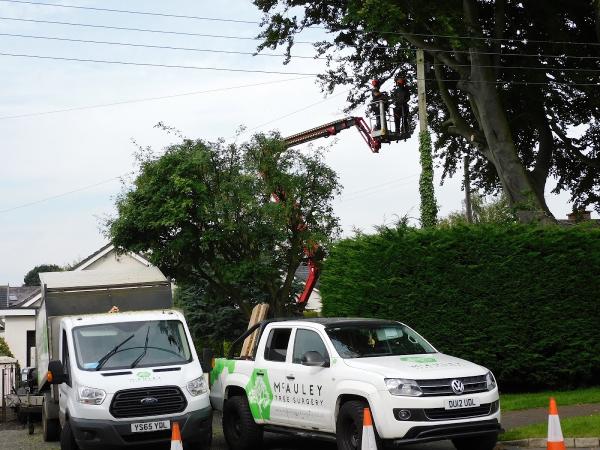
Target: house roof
x,y
3,296
11,295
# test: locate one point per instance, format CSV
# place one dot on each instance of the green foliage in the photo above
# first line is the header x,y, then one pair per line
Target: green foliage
x,y
521,300
479,94
429,206
33,279
497,210
515,402
203,213
4,349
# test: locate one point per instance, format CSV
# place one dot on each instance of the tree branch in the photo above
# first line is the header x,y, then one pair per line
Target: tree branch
x,y
543,159
592,162
499,24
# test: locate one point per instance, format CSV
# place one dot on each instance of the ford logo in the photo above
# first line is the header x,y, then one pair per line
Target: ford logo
x,y
458,387
149,401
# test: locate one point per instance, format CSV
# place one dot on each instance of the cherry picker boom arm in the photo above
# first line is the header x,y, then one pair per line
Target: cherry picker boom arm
x,y
323,131
333,128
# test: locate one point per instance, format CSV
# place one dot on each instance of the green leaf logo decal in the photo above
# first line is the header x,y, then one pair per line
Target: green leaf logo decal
x,y
220,365
143,375
419,359
260,395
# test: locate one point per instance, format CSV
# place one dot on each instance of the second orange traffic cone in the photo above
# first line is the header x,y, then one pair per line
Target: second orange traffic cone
x,y
368,434
176,443
555,436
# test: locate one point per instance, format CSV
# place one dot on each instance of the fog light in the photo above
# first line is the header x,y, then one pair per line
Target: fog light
x,y
404,414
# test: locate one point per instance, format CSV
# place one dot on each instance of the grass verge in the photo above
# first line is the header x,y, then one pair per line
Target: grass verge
x,y
584,426
513,402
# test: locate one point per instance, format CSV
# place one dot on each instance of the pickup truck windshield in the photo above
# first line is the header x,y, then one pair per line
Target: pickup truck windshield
x,y
365,341
125,345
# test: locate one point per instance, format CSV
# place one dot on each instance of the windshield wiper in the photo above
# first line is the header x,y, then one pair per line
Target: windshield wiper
x,y
139,358
114,350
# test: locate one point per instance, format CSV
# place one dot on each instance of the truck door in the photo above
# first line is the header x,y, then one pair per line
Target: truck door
x,y
266,389
312,401
65,389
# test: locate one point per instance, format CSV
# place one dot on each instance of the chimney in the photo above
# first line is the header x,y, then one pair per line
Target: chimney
x,y
579,216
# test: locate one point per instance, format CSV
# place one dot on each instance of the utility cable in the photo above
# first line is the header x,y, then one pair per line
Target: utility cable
x,y
148,99
168,66
160,47
223,69
519,39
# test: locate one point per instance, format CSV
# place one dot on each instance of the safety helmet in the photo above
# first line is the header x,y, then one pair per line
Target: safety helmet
x,y
400,80
375,82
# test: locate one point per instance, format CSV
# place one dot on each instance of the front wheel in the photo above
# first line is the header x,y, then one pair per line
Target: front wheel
x,y
240,430
487,442
67,440
349,426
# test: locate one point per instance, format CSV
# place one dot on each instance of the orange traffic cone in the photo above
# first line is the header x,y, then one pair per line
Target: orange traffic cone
x,y
555,436
368,434
176,443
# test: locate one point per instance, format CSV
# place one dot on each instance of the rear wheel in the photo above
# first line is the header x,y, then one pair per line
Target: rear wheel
x,y
50,427
240,430
349,426
487,442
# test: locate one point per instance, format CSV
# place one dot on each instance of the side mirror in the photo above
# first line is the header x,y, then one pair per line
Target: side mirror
x,y
314,359
207,358
56,373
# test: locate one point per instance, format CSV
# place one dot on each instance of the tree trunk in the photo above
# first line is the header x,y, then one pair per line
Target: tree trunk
x,y
502,153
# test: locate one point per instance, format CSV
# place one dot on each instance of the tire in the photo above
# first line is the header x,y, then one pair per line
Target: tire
x,y
486,442
67,440
240,430
50,427
349,426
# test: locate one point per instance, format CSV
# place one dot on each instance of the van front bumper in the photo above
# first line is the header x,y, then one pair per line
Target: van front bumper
x,y
196,430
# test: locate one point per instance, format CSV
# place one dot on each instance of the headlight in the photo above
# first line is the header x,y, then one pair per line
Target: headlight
x,y
490,381
399,386
90,396
197,386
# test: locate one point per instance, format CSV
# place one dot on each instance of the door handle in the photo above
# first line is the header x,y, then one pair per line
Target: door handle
x,y
260,374
291,377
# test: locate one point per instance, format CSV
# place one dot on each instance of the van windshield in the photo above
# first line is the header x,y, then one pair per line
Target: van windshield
x,y
124,345
365,341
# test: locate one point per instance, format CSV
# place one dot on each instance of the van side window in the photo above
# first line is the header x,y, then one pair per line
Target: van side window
x,y
308,341
277,344
65,357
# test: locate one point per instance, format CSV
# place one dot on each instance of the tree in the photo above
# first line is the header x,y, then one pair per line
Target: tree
x,y
203,213
33,279
4,349
510,80
485,211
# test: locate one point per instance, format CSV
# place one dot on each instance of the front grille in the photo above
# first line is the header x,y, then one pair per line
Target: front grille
x,y
443,386
463,413
128,403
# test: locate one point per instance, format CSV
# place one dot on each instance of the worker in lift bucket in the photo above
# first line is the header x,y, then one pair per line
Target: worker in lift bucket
x,y
400,98
376,96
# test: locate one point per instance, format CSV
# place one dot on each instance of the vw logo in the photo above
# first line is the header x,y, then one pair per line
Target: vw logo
x,y
149,401
457,386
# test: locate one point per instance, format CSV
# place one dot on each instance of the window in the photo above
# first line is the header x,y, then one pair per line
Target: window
x,y
308,341
277,344
65,358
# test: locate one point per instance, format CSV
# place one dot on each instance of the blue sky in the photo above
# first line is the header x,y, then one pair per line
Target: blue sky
x,y
47,155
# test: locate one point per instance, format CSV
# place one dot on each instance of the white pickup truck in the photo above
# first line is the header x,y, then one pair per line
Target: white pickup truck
x,y
313,377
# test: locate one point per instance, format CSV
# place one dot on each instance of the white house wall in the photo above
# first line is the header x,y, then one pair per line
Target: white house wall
x,y
15,335
113,261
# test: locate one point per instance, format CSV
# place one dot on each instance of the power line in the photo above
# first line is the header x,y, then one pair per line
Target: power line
x,y
149,99
192,49
519,39
222,69
247,38
161,47
144,30
145,13
168,66
53,197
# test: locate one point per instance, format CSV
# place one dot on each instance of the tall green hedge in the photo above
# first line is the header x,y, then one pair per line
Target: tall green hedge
x,y
523,301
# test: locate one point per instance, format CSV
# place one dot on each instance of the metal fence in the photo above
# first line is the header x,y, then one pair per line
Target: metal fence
x,y
8,382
